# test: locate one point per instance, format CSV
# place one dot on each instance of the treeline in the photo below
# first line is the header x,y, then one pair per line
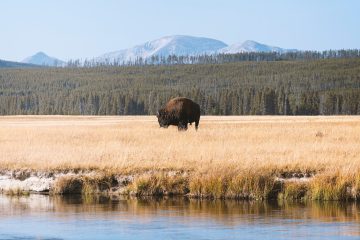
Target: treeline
x,y
220,58
324,87
9,64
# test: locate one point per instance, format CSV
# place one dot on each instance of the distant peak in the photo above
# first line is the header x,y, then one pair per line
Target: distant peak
x,y
180,45
41,58
250,41
40,54
253,46
181,37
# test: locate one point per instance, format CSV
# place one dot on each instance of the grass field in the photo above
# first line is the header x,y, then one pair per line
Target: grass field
x,y
225,150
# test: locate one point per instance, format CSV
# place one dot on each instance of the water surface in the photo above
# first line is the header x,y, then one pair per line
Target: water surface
x,y
46,217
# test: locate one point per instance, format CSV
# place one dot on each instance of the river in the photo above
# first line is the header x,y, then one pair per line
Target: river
x,y
81,217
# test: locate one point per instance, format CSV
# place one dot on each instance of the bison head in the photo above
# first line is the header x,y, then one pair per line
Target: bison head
x,y
163,118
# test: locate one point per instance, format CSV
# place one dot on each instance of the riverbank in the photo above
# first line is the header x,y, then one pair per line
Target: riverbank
x,y
229,157
252,186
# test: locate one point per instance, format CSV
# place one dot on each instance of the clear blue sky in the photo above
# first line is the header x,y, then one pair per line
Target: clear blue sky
x,y
87,28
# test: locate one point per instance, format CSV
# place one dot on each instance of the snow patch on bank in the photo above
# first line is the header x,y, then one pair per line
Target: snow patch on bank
x,y
38,182
32,184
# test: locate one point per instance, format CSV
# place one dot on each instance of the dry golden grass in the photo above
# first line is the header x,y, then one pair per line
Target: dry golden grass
x,y
127,144
228,157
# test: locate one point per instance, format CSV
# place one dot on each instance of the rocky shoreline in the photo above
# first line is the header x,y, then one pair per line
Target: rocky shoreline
x,y
29,181
75,182
292,186
71,182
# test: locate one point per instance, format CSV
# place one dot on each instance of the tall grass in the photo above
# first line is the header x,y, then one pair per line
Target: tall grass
x,y
83,184
159,184
236,157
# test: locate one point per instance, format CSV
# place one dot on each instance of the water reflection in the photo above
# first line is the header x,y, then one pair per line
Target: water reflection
x,y
46,217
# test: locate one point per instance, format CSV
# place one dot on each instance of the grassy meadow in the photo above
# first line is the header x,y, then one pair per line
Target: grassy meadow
x,y
234,156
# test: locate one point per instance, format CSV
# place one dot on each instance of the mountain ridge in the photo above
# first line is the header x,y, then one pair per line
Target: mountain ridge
x,y
182,45
253,46
179,45
165,46
42,59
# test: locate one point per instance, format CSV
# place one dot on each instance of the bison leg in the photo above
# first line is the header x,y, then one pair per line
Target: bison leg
x,y
196,125
182,126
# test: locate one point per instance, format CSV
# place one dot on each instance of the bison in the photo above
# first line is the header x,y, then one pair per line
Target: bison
x,y
179,112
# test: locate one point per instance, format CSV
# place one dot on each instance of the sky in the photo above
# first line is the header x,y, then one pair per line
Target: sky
x,y
71,29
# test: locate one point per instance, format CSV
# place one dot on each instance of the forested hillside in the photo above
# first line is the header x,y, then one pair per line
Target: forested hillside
x,y
323,86
9,64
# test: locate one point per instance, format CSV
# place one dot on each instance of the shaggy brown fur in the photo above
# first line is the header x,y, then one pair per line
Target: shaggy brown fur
x,y
179,112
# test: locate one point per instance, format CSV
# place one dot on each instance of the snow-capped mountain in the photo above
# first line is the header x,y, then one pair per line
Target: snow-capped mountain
x,y
171,45
42,59
179,45
252,46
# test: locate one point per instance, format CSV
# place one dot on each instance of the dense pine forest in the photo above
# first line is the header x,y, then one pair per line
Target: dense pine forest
x,y
281,87
221,58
